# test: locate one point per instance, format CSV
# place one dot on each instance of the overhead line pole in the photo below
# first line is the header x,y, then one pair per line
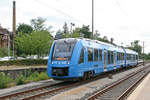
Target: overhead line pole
x,y
92,17
143,54
14,26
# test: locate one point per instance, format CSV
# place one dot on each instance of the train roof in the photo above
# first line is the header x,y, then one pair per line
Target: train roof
x,y
68,40
105,45
130,51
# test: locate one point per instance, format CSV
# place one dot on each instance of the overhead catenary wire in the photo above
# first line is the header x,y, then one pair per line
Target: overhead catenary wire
x,y
71,18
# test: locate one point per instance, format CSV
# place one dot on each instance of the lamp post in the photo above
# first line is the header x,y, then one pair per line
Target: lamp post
x,y
71,24
92,17
143,54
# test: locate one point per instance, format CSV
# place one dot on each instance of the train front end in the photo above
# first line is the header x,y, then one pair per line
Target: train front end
x,y
61,63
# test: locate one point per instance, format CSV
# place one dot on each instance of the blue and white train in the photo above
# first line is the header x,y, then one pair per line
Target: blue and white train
x,y
73,58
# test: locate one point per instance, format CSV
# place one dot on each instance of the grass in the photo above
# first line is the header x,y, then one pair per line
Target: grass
x,y
7,81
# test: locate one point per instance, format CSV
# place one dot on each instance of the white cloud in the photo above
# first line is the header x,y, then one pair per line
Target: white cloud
x,y
124,20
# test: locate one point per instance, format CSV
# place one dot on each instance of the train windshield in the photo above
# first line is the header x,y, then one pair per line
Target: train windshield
x,y
63,50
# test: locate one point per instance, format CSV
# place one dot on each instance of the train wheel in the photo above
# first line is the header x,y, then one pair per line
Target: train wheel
x,y
90,74
85,76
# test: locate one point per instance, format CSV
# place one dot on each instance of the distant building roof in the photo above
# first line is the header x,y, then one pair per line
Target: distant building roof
x,y
3,31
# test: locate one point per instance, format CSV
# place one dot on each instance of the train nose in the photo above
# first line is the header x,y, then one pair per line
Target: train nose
x,y
60,71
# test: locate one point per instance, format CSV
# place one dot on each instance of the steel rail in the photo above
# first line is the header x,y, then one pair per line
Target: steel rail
x,y
27,91
48,92
121,97
98,94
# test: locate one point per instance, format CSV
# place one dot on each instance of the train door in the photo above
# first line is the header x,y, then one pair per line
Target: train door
x,y
115,58
105,59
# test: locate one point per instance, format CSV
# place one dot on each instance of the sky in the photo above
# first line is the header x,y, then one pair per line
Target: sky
x,y
123,20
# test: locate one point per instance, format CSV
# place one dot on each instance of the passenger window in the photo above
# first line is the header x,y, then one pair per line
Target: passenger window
x,y
90,54
118,56
96,54
128,56
112,57
100,55
81,56
136,57
108,57
123,56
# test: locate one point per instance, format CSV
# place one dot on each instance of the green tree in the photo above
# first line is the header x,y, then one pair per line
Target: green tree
x,y
36,43
3,52
76,35
38,24
136,47
24,28
86,31
66,35
147,56
0,38
58,32
65,28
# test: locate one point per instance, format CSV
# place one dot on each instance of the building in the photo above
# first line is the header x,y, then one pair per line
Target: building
x,y
4,33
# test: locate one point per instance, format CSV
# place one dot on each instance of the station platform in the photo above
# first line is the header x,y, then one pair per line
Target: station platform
x,y
16,67
142,92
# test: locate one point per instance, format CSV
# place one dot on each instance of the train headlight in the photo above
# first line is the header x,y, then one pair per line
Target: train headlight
x,y
68,62
52,62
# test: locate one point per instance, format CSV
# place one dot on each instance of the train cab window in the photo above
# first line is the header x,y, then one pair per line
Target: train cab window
x,y
90,54
112,57
95,54
81,56
109,57
100,55
63,49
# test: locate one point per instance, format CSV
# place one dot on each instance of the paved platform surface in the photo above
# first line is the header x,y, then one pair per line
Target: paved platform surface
x,y
14,67
142,92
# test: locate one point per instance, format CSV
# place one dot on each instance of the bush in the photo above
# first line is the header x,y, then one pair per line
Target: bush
x,y
4,52
24,62
4,80
43,76
33,77
20,79
38,76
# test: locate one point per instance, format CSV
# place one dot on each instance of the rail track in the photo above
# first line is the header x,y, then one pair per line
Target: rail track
x,y
53,89
122,88
24,95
